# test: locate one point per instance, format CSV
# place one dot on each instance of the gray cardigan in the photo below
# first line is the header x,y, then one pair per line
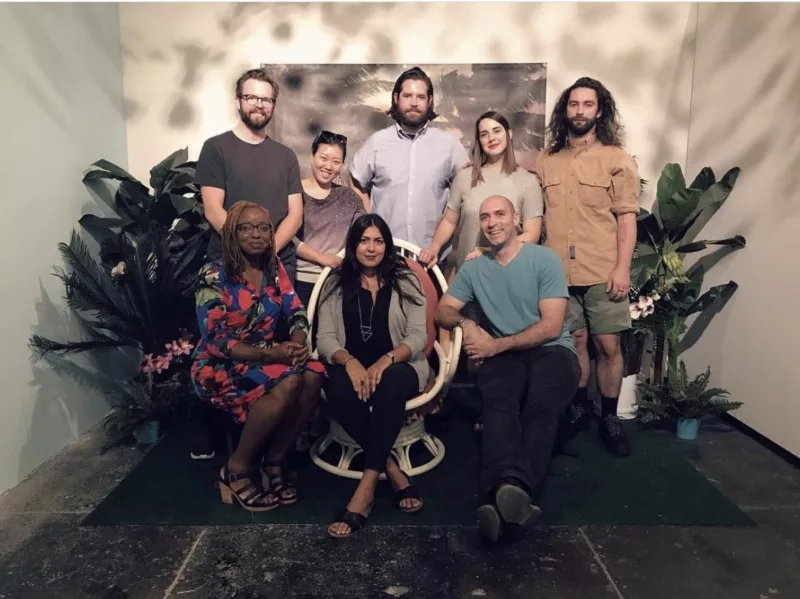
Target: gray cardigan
x,y
409,328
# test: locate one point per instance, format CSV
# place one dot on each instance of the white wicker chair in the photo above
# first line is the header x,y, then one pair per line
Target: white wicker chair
x,y
412,432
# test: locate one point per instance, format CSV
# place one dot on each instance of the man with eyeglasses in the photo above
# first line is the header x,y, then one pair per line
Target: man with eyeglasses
x,y
246,164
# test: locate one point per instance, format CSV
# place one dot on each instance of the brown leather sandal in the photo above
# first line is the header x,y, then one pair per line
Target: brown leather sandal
x,y
251,497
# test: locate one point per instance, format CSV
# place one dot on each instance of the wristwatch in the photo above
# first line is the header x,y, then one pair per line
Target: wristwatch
x,y
391,356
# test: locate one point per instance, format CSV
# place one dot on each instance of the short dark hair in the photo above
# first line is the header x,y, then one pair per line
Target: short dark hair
x,y
259,74
415,74
331,139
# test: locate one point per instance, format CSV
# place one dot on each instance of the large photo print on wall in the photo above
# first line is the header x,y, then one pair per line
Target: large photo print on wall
x,y
353,100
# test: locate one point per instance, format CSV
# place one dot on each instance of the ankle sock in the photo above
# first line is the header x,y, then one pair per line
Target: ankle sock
x,y
609,406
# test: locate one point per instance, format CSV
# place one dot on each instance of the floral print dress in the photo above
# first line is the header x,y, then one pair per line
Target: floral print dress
x,y
232,311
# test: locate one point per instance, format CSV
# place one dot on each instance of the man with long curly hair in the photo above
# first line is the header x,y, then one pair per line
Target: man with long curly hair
x,y
591,194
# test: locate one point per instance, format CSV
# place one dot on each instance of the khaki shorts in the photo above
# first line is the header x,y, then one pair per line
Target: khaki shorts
x,y
590,306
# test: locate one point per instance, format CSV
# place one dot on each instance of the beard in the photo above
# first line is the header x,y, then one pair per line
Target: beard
x,y
261,119
413,120
579,129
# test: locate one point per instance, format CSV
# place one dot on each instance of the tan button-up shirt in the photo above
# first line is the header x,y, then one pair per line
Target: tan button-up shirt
x,y
585,188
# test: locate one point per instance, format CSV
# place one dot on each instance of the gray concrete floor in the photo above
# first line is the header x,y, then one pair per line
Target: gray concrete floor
x,y
44,552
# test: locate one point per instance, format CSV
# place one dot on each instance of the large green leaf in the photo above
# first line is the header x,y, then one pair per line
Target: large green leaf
x,y
686,295
718,293
670,182
183,204
108,170
158,174
90,221
737,242
710,201
642,268
133,199
709,305
648,228
704,179
676,210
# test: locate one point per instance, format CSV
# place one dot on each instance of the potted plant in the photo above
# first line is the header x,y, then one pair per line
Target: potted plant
x,y
664,288
138,295
686,401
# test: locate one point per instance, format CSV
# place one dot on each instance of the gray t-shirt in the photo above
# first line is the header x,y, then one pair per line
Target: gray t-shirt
x,y
325,226
509,295
521,187
266,173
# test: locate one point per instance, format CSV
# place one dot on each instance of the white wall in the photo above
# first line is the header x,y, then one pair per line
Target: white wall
x,y
181,60
746,112
61,81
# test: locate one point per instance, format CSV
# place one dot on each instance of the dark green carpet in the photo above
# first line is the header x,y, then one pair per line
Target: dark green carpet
x,y
656,485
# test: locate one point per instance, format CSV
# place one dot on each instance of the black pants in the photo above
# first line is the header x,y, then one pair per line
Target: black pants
x,y
374,430
524,394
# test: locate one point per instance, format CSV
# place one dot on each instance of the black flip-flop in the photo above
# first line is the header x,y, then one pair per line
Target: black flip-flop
x,y
355,521
408,493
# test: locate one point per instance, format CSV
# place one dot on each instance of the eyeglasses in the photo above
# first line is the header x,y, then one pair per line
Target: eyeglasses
x,y
251,100
327,137
247,228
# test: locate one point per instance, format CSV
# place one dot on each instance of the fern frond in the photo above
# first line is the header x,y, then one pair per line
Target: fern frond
x,y
43,345
96,288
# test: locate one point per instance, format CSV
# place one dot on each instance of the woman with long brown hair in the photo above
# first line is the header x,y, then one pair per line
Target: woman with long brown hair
x,y
268,387
494,172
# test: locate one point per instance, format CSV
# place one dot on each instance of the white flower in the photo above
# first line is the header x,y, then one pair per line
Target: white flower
x,y
636,311
119,270
655,297
645,303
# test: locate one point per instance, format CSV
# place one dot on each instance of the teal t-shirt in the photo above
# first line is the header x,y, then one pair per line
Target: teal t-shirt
x,y
509,295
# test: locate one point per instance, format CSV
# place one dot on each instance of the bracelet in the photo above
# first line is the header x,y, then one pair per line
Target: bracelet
x,y
344,364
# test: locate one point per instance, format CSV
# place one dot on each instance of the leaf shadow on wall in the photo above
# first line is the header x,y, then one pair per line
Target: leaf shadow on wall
x,y
760,116
63,408
237,23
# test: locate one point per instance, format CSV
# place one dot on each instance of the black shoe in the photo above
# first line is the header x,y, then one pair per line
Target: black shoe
x,y
578,417
613,435
202,448
515,505
489,523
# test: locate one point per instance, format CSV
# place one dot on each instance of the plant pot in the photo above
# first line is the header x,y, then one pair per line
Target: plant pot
x,y
687,428
626,408
147,434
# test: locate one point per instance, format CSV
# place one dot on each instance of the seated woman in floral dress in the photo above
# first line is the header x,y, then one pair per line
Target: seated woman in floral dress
x,y
267,387
372,333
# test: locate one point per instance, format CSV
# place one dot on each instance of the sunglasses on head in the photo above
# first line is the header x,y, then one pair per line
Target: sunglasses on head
x,y
330,137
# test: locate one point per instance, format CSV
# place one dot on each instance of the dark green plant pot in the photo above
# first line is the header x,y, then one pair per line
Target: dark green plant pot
x,y
147,434
687,428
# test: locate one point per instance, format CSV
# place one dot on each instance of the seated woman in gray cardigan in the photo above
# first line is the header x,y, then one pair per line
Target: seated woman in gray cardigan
x,y
372,335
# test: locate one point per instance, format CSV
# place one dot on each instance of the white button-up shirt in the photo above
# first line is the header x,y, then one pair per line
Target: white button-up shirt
x,y
409,178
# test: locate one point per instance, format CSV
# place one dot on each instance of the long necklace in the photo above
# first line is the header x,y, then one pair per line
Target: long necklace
x,y
366,330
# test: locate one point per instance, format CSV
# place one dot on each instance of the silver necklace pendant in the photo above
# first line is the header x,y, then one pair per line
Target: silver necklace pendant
x,y
366,329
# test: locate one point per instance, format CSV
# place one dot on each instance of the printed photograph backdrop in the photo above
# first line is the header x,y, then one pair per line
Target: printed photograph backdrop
x,y
353,100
